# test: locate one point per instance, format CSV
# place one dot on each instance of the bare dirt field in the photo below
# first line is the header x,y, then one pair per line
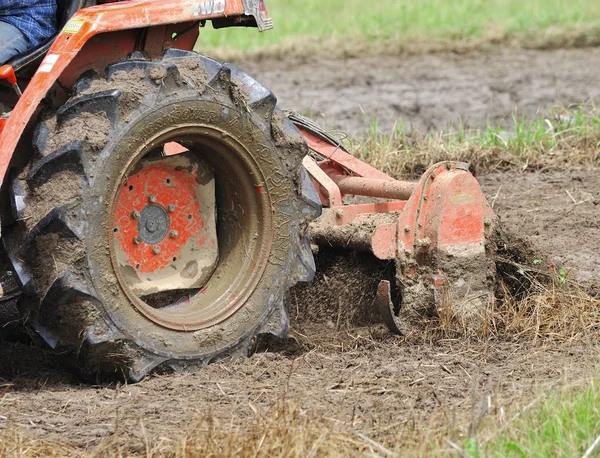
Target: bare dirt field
x,y
430,92
362,377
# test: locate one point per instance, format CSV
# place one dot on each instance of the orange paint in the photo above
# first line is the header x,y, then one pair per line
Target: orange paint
x,y
169,187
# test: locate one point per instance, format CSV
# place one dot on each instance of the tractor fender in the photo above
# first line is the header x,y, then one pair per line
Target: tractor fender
x,y
101,19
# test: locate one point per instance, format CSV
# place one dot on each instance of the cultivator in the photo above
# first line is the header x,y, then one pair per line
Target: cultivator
x,y
163,212
437,230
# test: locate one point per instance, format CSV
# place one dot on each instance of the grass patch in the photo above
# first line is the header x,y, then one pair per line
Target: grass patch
x,y
352,26
566,139
565,423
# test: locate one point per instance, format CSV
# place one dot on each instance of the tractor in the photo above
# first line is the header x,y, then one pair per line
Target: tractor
x,y
157,206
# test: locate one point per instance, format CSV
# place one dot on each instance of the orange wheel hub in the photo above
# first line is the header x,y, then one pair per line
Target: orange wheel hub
x,y
164,225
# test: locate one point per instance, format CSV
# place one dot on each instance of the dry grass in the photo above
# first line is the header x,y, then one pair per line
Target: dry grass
x,y
284,431
556,313
566,139
548,313
553,312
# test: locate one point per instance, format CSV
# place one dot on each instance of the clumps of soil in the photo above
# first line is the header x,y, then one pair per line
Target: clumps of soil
x,y
285,137
341,295
29,366
195,73
55,255
239,94
92,128
157,74
135,84
521,267
531,299
61,190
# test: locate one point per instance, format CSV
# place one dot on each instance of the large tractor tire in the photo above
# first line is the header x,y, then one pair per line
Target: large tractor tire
x,y
165,218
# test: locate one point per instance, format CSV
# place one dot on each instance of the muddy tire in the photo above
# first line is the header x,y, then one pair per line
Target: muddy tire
x,y
64,247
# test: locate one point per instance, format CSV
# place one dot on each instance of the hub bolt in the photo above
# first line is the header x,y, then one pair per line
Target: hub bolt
x,y
173,234
137,240
171,208
156,249
135,214
152,198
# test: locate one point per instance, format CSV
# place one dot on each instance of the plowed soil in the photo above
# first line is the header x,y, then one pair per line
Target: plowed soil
x,y
431,92
362,376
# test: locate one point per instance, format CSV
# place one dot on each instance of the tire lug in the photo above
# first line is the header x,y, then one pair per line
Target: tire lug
x,y
156,249
173,234
135,214
152,198
137,240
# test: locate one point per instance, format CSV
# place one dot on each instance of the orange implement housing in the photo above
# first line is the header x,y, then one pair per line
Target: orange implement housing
x,y
436,230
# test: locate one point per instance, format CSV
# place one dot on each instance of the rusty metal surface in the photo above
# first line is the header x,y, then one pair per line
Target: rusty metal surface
x,y
388,309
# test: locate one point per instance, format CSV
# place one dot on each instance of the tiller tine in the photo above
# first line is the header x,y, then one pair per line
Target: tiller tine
x,y
444,261
438,231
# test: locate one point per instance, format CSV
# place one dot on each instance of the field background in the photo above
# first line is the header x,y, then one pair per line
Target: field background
x,y
350,26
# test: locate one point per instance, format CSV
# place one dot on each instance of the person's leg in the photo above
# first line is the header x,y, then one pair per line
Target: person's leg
x,y
12,42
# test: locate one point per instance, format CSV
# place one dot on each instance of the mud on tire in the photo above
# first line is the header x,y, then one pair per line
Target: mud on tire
x,y
83,153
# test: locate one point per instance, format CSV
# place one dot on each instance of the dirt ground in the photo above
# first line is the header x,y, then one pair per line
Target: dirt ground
x,y
363,377
557,211
433,91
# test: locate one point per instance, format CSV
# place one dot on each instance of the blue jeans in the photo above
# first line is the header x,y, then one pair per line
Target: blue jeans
x,y
12,42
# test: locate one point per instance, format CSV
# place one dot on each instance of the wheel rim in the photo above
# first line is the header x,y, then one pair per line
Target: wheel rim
x,y
165,227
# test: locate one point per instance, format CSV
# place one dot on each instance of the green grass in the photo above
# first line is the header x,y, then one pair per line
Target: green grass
x,y
564,424
564,139
405,22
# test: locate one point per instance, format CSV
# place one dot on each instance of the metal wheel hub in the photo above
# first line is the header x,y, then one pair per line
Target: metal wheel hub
x,y
153,224
164,229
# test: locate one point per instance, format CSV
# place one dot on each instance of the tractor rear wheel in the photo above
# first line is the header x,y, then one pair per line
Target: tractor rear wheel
x,y
165,218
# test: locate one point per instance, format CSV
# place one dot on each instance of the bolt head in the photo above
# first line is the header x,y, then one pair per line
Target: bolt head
x,y
407,229
173,234
171,208
339,213
137,240
156,249
152,198
135,214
